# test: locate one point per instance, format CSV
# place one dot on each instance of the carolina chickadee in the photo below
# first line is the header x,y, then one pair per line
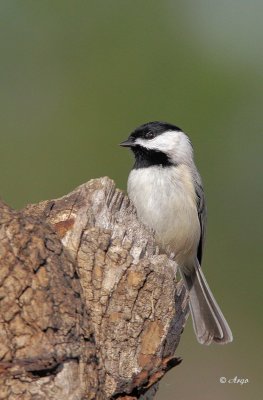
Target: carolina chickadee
x,y
166,189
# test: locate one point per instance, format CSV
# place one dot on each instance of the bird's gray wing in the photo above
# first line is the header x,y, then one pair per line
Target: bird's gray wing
x,y
201,209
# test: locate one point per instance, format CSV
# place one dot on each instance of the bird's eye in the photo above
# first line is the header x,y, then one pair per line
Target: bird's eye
x,y
149,135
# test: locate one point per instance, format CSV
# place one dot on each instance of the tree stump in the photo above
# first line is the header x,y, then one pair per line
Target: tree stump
x,y
89,308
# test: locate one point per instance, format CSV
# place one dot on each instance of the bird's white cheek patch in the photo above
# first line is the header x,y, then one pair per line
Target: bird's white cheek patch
x,y
164,142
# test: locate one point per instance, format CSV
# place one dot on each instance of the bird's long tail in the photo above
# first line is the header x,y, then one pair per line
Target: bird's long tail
x,y
208,321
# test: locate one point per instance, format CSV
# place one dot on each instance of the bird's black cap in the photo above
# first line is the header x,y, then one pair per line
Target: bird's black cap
x,y
149,131
155,128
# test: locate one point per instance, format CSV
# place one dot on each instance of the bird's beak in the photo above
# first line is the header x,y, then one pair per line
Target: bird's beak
x,y
127,143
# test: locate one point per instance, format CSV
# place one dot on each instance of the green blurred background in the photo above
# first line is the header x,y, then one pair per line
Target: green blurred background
x,y
78,76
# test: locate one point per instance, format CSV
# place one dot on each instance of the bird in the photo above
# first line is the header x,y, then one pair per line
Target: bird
x,y
167,191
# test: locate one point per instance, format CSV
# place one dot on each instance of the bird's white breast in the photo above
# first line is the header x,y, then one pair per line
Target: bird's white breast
x,y
165,200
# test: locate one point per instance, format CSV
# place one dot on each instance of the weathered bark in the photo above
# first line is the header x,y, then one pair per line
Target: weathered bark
x,y
88,308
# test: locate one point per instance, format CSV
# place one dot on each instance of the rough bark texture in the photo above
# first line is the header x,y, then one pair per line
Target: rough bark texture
x,y
88,308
